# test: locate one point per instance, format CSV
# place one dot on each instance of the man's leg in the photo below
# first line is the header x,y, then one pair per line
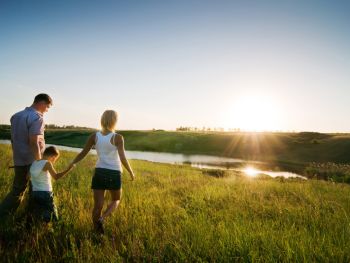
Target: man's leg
x,y
14,197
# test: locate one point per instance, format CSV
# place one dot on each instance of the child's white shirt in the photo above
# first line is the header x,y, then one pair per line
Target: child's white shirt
x,y
41,180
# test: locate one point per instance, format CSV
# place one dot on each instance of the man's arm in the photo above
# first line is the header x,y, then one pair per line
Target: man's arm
x,y
11,134
34,146
36,134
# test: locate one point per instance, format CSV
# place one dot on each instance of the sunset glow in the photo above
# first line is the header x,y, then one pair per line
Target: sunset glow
x,y
254,113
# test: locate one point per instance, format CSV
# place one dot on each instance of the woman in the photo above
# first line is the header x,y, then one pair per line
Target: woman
x,y
107,176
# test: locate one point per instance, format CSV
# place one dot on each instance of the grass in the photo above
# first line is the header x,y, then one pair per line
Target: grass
x,y
329,171
179,213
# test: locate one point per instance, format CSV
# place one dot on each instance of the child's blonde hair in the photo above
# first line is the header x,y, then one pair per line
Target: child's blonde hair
x,y
109,120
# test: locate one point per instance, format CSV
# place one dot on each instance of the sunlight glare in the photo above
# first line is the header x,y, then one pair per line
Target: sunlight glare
x,y
254,113
250,171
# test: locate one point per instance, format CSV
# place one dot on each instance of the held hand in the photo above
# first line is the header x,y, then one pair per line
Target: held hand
x,y
71,166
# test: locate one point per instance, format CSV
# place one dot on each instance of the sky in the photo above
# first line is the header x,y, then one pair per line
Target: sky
x,y
254,65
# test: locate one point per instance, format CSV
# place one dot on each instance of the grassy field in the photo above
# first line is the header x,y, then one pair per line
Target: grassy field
x,y
179,213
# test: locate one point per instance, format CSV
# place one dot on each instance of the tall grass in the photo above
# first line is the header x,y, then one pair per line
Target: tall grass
x,y
329,171
179,213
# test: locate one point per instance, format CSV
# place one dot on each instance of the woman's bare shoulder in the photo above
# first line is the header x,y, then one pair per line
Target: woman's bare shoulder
x,y
118,139
92,136
118,136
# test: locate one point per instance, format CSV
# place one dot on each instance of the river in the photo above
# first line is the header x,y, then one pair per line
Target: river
x,y
250,168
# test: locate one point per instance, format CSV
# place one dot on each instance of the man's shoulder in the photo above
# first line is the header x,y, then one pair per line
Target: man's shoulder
x,y
34,116
19,113
35,113
28,112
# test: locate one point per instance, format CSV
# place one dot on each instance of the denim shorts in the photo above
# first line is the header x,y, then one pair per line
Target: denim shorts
x,y
106,179
42,206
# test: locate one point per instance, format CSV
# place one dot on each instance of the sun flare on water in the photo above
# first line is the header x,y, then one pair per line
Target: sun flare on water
x,y
250,171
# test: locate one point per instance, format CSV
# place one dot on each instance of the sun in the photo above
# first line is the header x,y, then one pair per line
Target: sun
x,y
254,113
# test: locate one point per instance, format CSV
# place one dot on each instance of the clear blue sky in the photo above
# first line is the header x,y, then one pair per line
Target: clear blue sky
x,y
161,64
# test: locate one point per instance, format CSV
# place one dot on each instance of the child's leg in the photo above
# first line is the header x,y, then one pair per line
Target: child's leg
x,y
54,216
49,208
115,195
30,212
99,196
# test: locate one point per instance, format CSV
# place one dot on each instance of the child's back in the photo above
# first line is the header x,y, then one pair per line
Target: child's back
x,y
41,180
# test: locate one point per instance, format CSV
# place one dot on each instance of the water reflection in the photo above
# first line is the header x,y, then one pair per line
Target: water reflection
x,y
250,171
253,172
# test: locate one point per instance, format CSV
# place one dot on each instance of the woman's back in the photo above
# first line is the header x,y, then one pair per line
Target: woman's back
x,y
107,152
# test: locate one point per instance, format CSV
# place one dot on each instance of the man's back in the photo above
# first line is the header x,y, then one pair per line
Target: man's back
x,y
24,124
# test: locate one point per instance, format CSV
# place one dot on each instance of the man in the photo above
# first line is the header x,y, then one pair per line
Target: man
x,y
28,144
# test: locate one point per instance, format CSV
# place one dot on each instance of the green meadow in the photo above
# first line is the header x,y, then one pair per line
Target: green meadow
x,y
179,213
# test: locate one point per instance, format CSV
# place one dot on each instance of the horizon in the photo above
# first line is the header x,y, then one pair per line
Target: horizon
x,y
192,129
258,66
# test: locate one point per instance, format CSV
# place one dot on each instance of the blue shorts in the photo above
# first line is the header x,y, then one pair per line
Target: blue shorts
x,y
106,179
42,206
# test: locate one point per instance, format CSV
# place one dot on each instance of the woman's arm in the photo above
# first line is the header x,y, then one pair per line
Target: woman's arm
x,y
49,167
119,142
89,143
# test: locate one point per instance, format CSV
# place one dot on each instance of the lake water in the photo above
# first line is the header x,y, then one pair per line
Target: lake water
x,y
195,160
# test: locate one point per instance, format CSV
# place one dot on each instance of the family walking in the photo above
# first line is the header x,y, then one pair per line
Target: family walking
x,y
34,165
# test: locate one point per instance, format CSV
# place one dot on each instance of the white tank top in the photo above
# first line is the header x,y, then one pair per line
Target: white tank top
x,y
107,152
41,180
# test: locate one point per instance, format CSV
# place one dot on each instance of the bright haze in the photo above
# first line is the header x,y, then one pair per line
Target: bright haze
x,y
253,65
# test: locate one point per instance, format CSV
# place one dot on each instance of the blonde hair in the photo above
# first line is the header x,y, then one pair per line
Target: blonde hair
x,y
109,120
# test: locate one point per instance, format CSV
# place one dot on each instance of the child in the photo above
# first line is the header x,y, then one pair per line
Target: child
x,y
111,154
42,203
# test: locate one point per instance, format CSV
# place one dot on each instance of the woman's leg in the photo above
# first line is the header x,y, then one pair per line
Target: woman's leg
x,y
99,196
115,196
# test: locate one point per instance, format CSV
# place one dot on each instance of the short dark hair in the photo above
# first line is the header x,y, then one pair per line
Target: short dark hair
x,y
51,151
43,97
